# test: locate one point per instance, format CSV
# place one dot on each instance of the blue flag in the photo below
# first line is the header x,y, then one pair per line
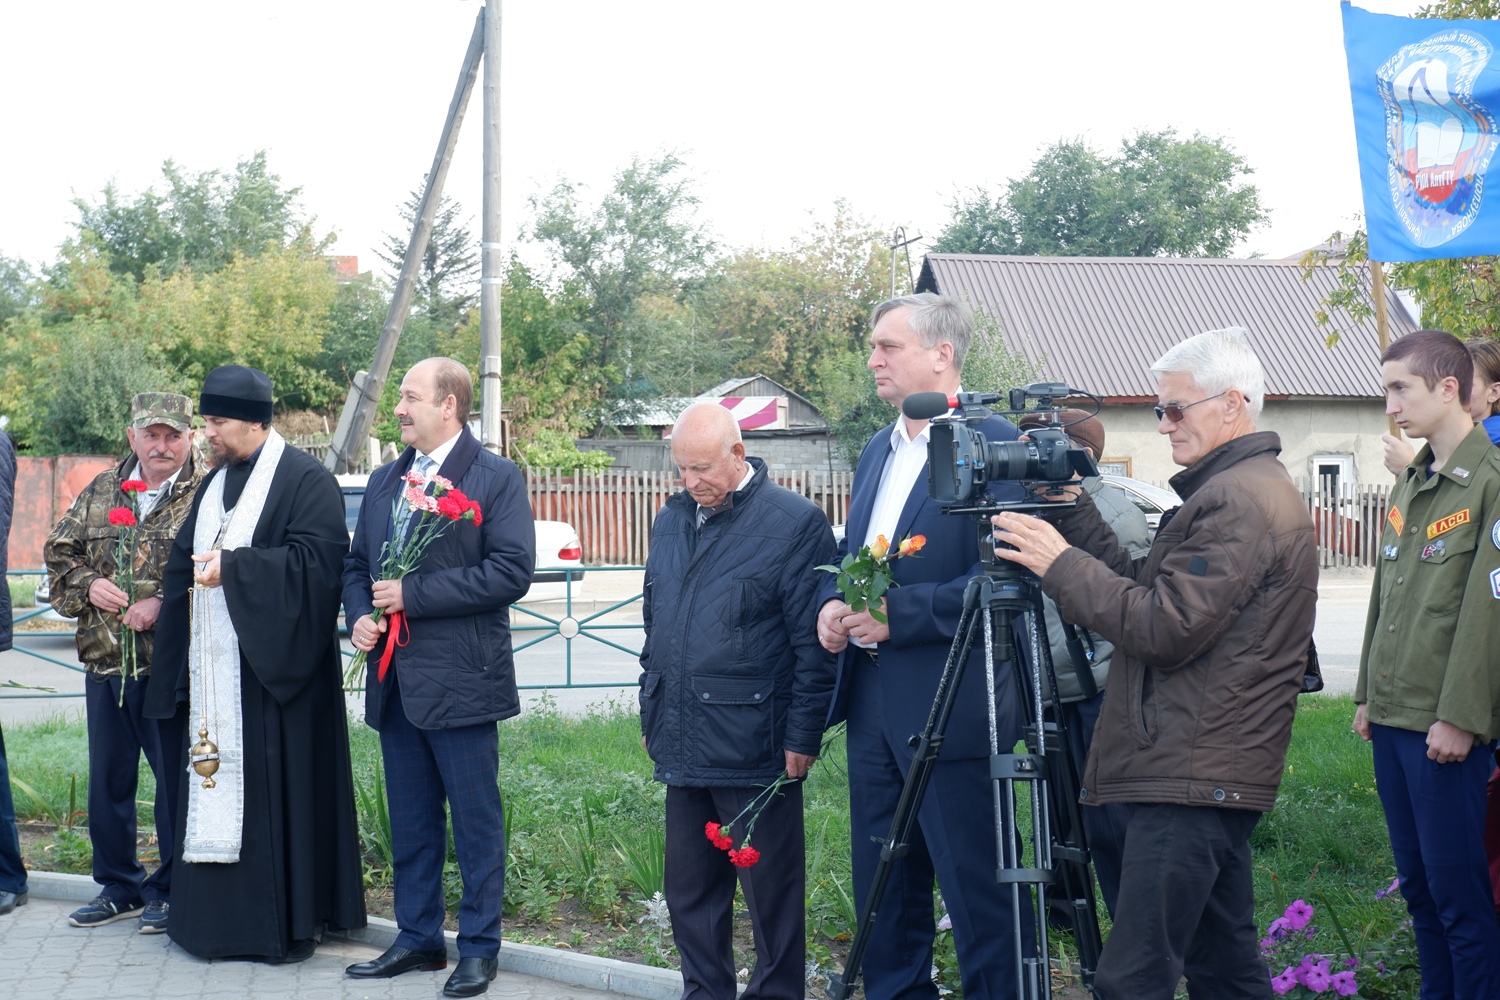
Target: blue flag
x,y
1426,101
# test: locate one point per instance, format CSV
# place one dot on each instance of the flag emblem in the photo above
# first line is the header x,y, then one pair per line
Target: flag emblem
x,y
1439,138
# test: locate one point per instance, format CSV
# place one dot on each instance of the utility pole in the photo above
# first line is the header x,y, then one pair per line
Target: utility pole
x,y
364,395
900,242
491,275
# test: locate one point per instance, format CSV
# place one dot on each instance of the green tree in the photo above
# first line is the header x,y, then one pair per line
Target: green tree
x,y
782,313
447,284
549,381
1459,294
18,290
643,239
1160,196
200,222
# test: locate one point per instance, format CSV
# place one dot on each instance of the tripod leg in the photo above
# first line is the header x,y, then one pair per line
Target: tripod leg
x,y
928,744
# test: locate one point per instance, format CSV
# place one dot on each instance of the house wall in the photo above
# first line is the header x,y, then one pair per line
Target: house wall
x,y
1306,427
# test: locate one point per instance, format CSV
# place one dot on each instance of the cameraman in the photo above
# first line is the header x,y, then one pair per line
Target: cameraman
x,y
1211,631
1104,827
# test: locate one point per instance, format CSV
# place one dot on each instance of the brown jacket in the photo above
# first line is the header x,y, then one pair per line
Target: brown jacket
x,y
1211,631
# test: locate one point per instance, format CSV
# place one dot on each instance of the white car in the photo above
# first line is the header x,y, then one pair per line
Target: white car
x,y
1154,501
557,547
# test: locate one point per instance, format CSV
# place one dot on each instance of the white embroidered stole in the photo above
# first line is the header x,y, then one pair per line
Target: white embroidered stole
x,y
215,816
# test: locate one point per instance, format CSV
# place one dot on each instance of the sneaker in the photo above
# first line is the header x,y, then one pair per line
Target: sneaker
x,y
101,911
154,917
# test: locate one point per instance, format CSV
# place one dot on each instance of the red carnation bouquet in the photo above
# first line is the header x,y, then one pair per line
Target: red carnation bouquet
x,y
124,518
744,856
433,512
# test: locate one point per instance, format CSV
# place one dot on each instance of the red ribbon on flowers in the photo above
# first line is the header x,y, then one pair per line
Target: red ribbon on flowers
x,y
392,640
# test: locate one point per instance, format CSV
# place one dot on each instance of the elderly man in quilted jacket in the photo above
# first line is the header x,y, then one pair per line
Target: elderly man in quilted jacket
x,y
735,688
1211,631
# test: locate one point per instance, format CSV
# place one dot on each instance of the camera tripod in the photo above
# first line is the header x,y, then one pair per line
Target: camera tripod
x,y
1006,595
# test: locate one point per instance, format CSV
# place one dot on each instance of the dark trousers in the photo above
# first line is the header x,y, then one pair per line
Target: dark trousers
x,y
1103,826
424,767
1186,906
118,735
700,893
1492,833
953,840
12,871
1435,815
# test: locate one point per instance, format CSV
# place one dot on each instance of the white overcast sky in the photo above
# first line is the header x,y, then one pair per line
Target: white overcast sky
x,y
778,106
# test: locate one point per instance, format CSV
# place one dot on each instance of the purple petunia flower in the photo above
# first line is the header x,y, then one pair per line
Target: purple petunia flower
x,y
1343,984
1314,974
1278,929
1395,884
1283,984
1298,914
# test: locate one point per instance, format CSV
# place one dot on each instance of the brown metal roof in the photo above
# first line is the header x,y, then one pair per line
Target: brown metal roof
x,y
1100,322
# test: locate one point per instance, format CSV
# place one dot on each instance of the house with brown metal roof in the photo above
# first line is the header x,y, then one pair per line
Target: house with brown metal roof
x,y
1098,323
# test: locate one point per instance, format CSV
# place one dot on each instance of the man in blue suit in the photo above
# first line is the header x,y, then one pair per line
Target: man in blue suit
x,y
451,678
888,675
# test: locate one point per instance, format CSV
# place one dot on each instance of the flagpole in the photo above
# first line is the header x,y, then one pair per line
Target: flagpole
x,y
1382,323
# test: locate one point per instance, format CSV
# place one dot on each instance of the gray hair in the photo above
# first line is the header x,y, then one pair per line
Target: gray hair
x,y
710,420
1219,360
935,319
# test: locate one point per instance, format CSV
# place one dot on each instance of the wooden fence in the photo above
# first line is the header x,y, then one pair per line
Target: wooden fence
x,y
1348,518
613,511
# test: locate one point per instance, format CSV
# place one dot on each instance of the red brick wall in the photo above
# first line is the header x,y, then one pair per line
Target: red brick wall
x,y
45,487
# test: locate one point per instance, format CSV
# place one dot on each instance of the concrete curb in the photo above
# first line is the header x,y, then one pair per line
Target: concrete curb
x,y
556,964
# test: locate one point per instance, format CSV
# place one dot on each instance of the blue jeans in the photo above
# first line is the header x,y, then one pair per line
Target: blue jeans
x,y
1435,815
12,872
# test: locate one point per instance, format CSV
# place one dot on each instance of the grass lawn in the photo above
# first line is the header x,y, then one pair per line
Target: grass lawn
x,y
584,821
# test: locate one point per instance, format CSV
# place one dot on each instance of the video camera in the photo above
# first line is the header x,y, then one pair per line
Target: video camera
x,y
962,462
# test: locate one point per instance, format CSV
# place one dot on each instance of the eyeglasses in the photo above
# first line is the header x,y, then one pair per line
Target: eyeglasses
x,y
1173,411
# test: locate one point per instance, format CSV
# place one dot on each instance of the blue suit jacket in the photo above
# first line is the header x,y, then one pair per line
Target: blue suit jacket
x,y
456,669
924,608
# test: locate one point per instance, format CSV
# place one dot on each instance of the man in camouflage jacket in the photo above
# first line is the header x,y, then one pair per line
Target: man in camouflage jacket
x,y
85,584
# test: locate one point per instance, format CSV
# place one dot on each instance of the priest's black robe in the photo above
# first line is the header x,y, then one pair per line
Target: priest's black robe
x,y
299,870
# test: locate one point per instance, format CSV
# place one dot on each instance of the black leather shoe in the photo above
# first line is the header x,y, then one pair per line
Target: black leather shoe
x,y
10,900
471,977
397,960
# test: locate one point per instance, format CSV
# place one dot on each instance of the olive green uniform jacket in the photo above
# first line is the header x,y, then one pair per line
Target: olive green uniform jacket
x,y
81,549
1432,638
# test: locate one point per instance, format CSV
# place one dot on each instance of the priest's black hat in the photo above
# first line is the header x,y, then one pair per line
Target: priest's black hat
x,y
238,393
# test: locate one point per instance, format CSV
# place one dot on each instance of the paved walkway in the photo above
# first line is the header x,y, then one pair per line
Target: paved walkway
x,y
46,959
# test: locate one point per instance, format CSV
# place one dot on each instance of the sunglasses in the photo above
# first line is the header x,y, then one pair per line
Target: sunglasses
x,y
1173,411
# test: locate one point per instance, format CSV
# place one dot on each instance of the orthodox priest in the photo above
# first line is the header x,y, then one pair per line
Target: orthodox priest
x,y
248,659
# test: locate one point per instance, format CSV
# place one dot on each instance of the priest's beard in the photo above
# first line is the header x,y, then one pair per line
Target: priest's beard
x,y
221,455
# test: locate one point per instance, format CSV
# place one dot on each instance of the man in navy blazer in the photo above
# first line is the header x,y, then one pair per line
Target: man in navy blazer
x,y
888,675
450,680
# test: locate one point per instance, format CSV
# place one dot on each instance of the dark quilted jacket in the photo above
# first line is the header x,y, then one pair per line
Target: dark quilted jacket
x,y
733,674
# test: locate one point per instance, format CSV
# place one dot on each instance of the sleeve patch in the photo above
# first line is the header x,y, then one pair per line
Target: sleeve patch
x,y
1198,566
1396,520
1495,583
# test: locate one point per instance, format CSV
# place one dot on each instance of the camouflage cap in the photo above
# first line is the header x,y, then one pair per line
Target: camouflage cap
x,y
170,408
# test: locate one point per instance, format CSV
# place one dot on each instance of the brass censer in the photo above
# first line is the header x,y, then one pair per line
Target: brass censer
x,y
205,756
